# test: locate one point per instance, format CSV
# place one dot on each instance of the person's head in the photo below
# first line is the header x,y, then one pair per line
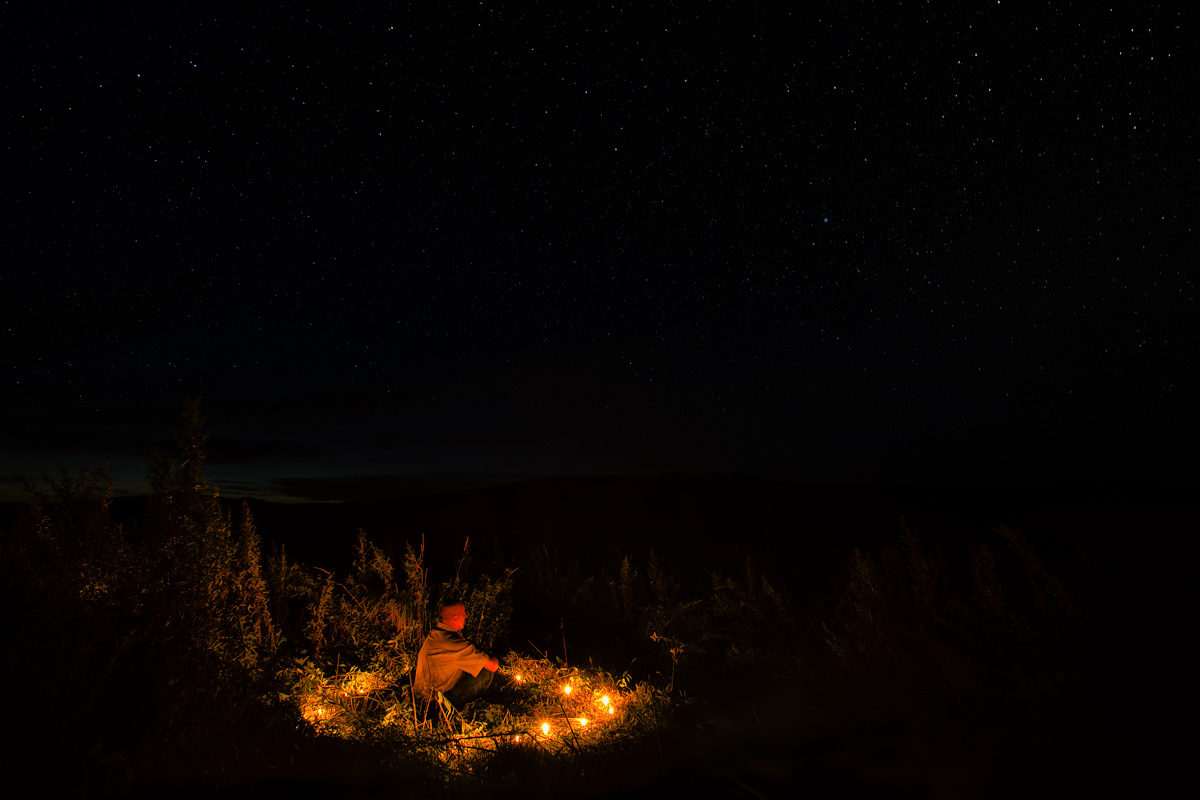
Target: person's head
x,y
454,614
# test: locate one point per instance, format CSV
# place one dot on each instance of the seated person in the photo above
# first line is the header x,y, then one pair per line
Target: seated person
x,y
449,664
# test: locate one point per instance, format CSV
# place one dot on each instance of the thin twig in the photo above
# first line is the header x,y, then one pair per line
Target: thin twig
x,y
562,626
540,746
498,735
570,727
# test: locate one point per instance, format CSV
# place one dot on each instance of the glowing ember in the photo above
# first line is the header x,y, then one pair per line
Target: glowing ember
x,y
611,709
582,722
567,688
546,728
604,700
518,677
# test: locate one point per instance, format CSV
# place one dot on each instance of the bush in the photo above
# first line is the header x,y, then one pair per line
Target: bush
x,y
134,653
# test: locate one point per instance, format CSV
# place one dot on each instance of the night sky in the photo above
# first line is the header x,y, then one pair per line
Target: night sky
x,y
397,251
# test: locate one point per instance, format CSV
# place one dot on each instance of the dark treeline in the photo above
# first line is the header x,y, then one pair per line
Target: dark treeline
x,y
165,642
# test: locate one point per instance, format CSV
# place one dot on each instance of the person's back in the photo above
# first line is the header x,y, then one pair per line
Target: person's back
x,y
450,664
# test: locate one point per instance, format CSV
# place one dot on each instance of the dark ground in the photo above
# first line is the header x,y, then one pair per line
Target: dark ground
x,y
836,736
1130,728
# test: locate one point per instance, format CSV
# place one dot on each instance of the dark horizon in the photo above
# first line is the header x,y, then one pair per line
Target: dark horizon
x,y
128,482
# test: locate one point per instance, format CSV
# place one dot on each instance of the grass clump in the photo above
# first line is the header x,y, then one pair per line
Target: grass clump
x,y
189,651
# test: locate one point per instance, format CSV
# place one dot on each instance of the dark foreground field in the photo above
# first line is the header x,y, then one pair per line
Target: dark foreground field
x,y
822,736
830,736
775,640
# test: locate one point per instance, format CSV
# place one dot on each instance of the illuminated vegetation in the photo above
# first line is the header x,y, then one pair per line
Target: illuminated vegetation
x,y
179,651
186,650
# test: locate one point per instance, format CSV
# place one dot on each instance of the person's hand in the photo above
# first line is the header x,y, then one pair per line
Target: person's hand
x,y
492,665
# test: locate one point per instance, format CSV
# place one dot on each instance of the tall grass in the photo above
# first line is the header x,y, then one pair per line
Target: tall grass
x,y
1018,628
183,649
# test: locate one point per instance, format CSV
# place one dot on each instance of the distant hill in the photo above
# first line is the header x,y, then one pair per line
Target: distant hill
x,y
800,534
717,519
1135,536
709,521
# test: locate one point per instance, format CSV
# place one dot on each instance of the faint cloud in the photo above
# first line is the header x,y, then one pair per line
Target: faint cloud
x,y
114,442
465,438
387,486
239,451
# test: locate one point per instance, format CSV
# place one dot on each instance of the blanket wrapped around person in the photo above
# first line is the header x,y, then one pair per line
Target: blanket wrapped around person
x,y
450,664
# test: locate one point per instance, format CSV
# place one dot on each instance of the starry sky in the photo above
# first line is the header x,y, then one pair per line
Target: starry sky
x,y
401,250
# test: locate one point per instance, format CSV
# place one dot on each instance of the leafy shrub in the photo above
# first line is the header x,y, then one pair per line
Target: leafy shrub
x,y
135,653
